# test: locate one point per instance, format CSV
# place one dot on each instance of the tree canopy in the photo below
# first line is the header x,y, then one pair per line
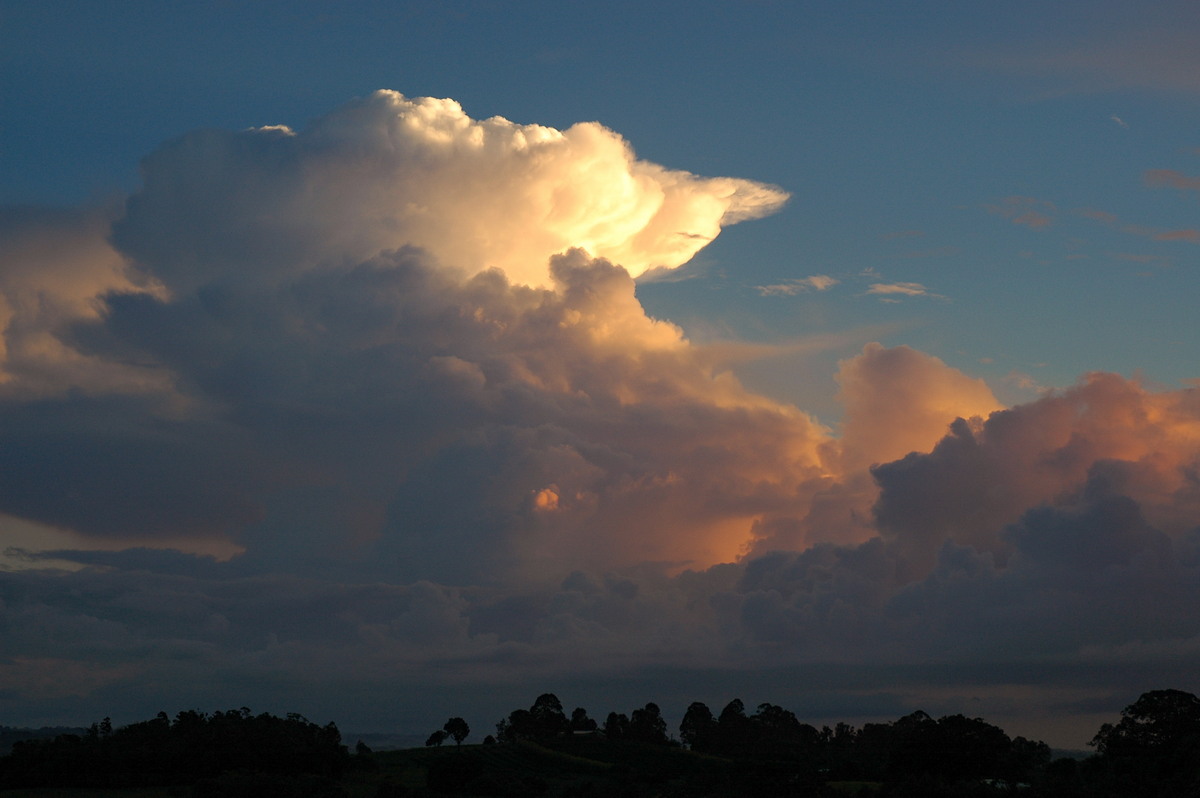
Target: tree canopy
x,y
191,747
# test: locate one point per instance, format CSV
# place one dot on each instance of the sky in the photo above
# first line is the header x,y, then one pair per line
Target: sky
x,y
391,361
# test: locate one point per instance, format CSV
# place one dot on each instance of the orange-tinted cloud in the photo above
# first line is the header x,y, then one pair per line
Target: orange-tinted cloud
x,y
1170,178
1027,211
900,400
982,478
1178,235
374,265
899,289
55,268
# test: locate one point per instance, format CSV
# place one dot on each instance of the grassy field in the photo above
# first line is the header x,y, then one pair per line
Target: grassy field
x,y
59,792
569,767
510,763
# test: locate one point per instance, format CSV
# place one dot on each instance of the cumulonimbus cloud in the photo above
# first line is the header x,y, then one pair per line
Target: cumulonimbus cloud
x,y
306,355
398,361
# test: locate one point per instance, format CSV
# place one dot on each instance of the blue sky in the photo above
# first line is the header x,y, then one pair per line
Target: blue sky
x,y
1002,196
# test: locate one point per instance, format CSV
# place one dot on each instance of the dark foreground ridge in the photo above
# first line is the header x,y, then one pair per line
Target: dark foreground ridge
x,y
1152,751
196,749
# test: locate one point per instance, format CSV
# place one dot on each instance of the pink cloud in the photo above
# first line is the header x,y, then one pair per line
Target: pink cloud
x,y
1026,211
1145,55
817,282
900,400
1191,235
1170,178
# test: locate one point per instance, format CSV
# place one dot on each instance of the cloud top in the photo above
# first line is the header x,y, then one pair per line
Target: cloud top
x,y
387,171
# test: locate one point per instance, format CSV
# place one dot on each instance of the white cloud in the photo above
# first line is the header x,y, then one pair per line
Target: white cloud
x,y
889,291
389,171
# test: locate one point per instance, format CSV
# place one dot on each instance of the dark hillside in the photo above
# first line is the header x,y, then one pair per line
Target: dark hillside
x,y
193,749
568,767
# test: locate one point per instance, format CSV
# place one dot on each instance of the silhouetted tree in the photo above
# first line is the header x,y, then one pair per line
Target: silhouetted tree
x,y
548,718
458,729
517,726
580,722
437,738
1158,720
698,729
1025,759
647,725
542,721
970,748
775,720
772,753
616,726
776,733
733,729
909,748
1155,748
193,748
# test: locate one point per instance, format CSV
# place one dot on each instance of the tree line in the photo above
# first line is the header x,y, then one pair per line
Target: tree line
x,y
950,749
1152,751
194,748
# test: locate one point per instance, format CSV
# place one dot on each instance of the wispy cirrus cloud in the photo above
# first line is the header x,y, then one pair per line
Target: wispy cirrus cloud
x,y
1140,257
1170,178
1098,215
936,252
1157,54
1188,235
1027,211
892,292
817,282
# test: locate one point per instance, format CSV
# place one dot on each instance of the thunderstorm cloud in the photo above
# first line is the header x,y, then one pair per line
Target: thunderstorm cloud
x,y
375,402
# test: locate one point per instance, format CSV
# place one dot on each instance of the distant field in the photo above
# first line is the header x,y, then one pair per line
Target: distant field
x,y
82,792
564,768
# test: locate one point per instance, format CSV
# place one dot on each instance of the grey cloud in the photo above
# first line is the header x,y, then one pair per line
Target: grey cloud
x,y
390,402
95,465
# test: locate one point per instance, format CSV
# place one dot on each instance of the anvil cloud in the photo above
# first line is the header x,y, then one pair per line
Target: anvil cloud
x,y
393,369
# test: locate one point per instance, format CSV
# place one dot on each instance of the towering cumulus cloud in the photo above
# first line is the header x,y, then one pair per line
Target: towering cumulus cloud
x,y
408,338
387,171
394,368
